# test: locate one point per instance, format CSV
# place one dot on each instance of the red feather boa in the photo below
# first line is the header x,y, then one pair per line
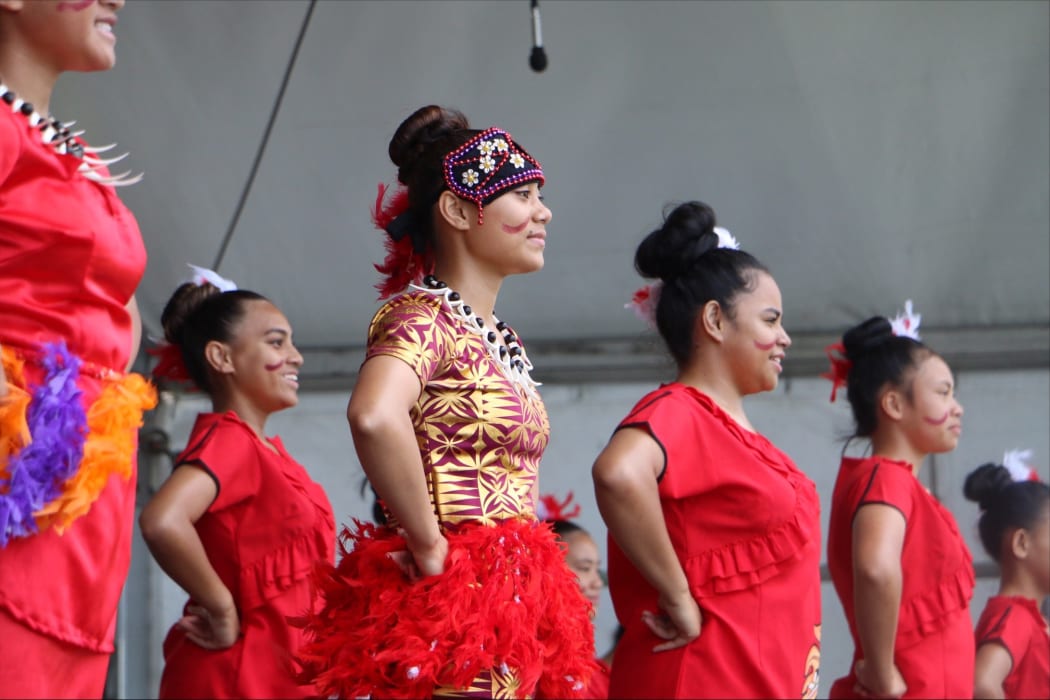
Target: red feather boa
x,y
506,597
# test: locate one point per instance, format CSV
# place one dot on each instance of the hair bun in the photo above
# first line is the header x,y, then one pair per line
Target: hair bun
x,y
183,302
424,127
986,482
671,250
867,336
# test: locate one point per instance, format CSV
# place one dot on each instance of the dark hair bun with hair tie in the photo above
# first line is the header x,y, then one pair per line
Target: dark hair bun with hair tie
x,y
985,483
867,336
671,250
183,302
423,128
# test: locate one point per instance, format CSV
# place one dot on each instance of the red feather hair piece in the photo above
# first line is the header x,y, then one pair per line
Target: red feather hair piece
x,y
402,264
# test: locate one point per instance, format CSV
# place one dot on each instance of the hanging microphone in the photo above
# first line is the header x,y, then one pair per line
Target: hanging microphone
x,y
538,57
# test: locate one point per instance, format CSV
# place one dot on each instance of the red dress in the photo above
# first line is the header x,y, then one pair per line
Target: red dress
x,y
71,257
267,528
745,524
934,649
1016,623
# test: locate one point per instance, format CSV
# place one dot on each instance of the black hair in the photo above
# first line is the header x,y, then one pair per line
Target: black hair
x,y
684,254
878,358
195,315
564,528
418,149
1006,504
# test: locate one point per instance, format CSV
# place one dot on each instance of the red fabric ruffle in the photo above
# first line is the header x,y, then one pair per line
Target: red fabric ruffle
x,y
747,563
506,597
280,569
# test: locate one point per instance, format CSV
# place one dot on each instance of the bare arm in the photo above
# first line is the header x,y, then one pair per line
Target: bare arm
x,y
992,666
380,421
167,526
136,331
878,539
626,490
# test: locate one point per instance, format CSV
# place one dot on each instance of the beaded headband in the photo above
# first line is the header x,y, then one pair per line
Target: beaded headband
x,y
904,325
487,165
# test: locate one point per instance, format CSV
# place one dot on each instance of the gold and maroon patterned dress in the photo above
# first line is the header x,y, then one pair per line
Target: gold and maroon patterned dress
x,y
506,618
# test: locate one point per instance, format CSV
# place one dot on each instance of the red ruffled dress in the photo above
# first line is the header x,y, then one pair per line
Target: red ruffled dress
x,y
264,533
506,618
934,649
1015,623
745,524
71,257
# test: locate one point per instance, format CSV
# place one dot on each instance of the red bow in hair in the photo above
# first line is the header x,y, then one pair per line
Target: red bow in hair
x,y
840,367
551,509
170,365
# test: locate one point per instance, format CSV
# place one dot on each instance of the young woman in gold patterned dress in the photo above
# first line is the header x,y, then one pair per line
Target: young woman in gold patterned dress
x,y
464,593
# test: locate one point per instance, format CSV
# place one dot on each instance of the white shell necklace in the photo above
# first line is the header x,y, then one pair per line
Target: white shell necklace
x,y
510,358
58,136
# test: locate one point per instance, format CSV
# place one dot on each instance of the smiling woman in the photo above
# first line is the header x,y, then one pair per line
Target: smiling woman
x,y
714,601
461,592
238,524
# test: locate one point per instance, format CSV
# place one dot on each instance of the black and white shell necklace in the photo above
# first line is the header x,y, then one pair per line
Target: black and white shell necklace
x,y
58,136
510,357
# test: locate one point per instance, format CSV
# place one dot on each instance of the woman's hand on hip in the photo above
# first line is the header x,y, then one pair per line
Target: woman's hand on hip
x,y
678,621
211,629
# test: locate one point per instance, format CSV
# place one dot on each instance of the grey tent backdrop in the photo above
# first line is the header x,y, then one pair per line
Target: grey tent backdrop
x,y
869,152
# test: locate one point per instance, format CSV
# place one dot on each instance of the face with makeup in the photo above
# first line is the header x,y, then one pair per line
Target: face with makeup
x,y
1038,559
582,558
930,415
63,35
754,341
260,362
513,235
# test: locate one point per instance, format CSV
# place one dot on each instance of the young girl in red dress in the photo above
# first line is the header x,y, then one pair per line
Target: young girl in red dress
x,y
1013,637
71,257
899,565
239,524
714,547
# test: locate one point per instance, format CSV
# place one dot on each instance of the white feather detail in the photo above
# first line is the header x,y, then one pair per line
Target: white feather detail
x,y
1016,462
203,274
906,324
725,239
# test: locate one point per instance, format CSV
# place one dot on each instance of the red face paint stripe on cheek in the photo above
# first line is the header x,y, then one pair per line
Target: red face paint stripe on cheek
x,y
760,346
275,366
78,6
937,421
515,229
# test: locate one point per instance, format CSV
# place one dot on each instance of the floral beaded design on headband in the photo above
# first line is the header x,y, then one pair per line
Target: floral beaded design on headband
x,y
487,165
643,302
904,325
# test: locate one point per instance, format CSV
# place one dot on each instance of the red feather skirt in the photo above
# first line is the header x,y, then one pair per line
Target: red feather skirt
x,y
506,600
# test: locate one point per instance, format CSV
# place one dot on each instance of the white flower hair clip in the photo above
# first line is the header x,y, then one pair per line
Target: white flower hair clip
x,y
906,325
725,239
203,274
644,302
1016,462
